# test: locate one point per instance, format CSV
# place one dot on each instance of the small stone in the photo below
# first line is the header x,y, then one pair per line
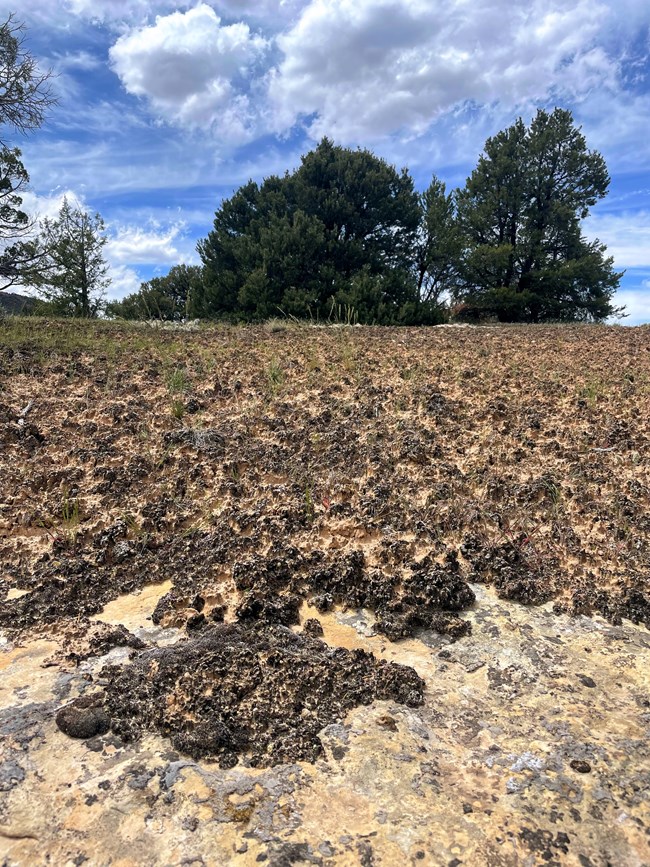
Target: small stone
x,y
387,722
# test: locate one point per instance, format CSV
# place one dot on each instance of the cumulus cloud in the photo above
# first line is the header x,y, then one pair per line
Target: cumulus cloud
x,y
626,234
40,207
124,281
122,10
369,68
192,69
156,244
271,12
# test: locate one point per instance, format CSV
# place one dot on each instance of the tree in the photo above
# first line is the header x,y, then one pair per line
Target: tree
x,y
300,243
20,255
524,255
439,243
25,92
73,275
166,298
25,97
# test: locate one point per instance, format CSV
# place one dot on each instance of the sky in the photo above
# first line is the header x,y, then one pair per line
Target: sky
x,y
168,106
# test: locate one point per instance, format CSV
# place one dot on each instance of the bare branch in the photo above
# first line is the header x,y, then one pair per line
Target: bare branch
x,y
25,91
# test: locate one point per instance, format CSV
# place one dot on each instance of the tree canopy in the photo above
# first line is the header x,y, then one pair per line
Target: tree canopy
x,y
165,298
25,97
25,92
347,229
339,231
73,274
524,256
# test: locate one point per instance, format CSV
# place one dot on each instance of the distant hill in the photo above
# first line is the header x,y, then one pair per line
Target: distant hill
x,y
12,302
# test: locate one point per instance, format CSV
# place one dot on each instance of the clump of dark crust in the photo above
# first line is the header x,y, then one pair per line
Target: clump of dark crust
x,y
84,718
313,627
273,588
109,636
256,605
516,572
402,606
254,689
209,441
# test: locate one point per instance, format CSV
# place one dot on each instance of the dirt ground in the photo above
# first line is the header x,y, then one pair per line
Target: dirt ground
x,y
251,492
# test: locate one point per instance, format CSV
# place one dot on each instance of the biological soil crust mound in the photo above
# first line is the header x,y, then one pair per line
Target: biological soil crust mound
x,y
257,469
261,691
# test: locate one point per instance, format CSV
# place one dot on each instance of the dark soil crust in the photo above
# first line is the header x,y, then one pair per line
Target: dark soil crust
x,y
258,690
377,468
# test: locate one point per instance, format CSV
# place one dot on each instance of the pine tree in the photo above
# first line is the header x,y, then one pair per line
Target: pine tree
x,y
525,257
25,97
74,274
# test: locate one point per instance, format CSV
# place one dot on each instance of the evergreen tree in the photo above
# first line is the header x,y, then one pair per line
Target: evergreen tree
x,y
439,243
302,243
73,276
166,298
524,255
25,96
18,254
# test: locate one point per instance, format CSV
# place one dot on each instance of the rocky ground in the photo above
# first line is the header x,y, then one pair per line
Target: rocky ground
x,y
304,595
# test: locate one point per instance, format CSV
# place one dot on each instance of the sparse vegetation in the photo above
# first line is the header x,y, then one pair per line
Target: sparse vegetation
x,y
494,443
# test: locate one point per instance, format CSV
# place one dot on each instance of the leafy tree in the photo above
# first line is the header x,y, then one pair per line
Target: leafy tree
x,y
524,255
166,298
302,242
25,96
73,276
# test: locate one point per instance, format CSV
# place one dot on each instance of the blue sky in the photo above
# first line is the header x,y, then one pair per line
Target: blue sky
x,y
166,106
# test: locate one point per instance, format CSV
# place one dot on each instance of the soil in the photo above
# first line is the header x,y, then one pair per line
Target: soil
x,y
271,478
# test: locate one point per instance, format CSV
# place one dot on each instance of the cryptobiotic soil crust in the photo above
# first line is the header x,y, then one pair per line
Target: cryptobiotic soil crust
x,y
296,595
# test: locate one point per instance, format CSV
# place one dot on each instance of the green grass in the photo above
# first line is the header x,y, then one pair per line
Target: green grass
x,y
275,376
178,381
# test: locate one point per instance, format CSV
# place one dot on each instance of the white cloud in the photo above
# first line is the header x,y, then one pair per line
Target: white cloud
x,y
40,207
271,12
156,244
192,69
159,243
636,303
79,60
122,10
124,281
626,234
370,68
